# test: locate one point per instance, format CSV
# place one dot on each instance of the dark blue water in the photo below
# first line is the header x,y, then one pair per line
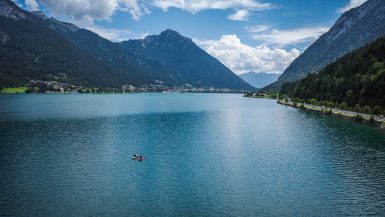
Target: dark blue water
x,y
206,155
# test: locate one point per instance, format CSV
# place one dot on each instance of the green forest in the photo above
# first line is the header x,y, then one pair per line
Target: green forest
x,y
357,80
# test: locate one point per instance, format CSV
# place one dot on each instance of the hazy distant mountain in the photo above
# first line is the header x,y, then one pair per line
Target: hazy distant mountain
x,y
33,46
352,30
259,80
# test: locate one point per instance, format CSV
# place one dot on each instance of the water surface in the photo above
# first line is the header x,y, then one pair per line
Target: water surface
x,y
206,155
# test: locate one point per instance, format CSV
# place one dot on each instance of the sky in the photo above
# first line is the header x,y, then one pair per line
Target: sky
x,y
245,35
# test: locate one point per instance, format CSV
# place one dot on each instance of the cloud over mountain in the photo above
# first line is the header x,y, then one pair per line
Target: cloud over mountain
x,y
32,5
285,37
242,58
352,4
86,11
194,6
241,15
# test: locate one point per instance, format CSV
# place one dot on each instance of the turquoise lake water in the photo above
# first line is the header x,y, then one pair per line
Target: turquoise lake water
x,y
206,155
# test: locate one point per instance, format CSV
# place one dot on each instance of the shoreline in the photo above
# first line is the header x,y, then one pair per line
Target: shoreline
x,y
366,118
127,93
52,87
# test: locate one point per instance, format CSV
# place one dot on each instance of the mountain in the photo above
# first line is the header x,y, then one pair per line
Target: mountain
x,y
35,47
259,80
352,30
358,78
181,61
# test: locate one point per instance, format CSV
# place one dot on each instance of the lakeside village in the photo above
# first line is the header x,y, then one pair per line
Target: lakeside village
x,y
54,87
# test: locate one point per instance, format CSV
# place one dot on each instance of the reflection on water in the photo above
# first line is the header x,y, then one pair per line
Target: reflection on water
x,y
206,155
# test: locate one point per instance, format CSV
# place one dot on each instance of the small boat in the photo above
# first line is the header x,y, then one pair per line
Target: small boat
x,y
137,157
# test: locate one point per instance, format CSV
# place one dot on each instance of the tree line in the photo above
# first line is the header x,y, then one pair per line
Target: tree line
x,y
355,81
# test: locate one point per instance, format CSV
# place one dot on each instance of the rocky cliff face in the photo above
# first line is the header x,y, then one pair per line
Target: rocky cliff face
x,y
10,10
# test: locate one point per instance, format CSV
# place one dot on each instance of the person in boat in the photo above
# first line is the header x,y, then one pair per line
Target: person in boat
x,y
137,157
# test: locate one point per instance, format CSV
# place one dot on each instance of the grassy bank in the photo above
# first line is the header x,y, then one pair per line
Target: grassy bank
x,y
361,117
14,90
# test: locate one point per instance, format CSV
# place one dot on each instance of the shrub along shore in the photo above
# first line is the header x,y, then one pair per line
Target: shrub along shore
x,y
365,114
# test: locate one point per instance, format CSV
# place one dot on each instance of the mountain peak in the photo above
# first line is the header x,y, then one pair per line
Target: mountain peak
x,y
171,34
166,38
9,9
259,79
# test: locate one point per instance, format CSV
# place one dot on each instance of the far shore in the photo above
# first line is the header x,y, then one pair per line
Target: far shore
x,y
51,87
117,93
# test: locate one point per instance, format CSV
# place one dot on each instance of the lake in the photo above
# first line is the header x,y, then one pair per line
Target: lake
x,y
206,155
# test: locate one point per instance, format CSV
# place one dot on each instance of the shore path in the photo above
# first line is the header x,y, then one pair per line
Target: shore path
x,y
339,112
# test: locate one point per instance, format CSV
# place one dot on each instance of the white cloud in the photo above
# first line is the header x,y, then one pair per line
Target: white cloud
x,y
352,4
116,35
241,15
242,58
143,35
86,11
194,6
293,36
32,5
258,28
